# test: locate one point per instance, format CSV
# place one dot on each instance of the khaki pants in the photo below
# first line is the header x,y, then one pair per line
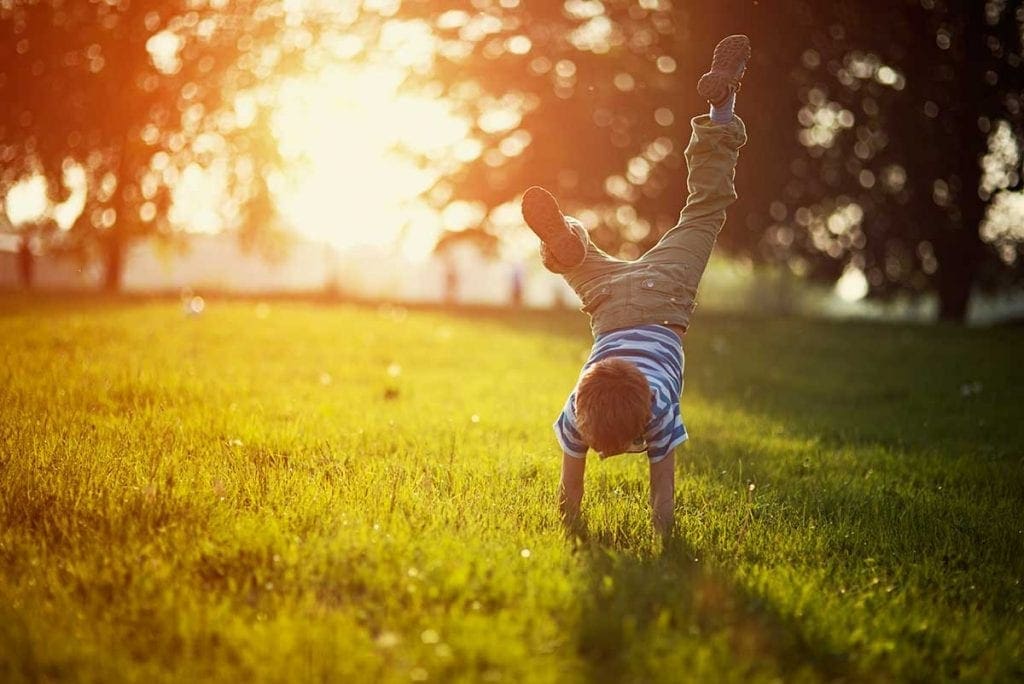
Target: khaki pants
x,y
661,286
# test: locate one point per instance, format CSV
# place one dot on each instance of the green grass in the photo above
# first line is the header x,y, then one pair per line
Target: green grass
x,y
250,495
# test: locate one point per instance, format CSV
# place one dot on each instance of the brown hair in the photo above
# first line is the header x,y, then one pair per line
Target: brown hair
x,y
613,405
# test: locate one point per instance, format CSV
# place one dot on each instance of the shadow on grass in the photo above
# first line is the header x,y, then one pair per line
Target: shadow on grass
x,y
668,617
900,443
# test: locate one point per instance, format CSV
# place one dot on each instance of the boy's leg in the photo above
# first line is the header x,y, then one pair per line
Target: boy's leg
x,y
592,253
566,248
711,159
663,491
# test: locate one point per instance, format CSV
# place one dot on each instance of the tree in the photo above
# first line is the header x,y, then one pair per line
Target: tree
x,y
591,99
25,217
606,92
841,99
897,104
133,93
599,109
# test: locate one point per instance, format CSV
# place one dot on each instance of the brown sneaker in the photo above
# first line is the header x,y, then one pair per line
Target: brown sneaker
x,y
540,209
727,67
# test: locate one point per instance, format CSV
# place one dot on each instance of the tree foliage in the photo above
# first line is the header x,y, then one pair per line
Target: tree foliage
x,y
868,125
133,94
898,104
869,121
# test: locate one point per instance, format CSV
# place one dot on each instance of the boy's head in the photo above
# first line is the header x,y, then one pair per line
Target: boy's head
x,y
613,405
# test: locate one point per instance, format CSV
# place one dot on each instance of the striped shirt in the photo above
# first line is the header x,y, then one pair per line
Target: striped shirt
x,y
658,353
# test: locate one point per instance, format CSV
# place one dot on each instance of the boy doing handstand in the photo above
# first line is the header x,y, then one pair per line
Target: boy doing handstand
x,y
627,395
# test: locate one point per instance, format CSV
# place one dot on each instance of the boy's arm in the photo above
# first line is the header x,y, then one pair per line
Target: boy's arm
x,y
663,491
570,489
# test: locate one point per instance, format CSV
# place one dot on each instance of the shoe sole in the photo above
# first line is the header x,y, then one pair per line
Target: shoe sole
x,y
730,54
540,209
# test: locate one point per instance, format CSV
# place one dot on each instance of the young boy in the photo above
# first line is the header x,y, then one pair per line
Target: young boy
x,y
627,395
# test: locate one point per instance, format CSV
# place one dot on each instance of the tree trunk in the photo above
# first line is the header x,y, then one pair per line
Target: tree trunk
x,y
26,263
113,264
955,279
959,247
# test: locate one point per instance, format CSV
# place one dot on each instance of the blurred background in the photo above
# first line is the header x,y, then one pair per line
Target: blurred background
x,y
377,149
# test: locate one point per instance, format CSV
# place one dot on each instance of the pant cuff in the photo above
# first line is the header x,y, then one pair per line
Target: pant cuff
x,y
733,134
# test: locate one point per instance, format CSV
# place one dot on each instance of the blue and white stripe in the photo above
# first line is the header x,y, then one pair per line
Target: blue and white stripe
x,y
658,353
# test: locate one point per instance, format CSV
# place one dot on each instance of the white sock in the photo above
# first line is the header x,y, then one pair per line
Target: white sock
x,y
723,113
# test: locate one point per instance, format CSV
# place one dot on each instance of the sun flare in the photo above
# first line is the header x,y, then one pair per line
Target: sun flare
x,y
361,151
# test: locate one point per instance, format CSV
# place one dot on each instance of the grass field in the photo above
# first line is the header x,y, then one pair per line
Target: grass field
x,y
302,492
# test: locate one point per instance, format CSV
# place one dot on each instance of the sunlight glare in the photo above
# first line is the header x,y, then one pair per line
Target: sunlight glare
x,y
852,286
198,198
361,152
26,201
68,211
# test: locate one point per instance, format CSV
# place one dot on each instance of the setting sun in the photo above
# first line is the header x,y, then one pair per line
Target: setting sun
x,y
360,155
